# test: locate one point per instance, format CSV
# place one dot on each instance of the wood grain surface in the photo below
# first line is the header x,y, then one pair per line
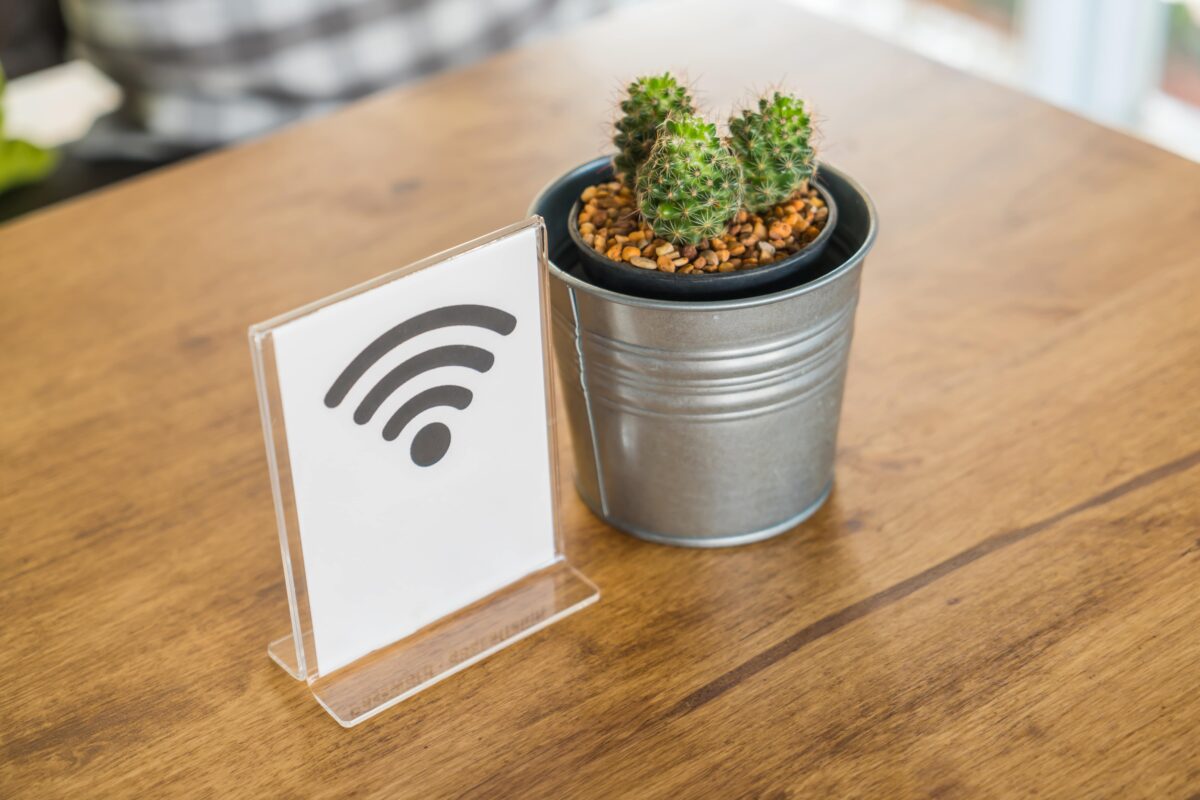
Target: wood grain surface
x,y
1000,599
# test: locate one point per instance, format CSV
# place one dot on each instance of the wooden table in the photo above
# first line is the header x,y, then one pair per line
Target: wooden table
x,y
1001,599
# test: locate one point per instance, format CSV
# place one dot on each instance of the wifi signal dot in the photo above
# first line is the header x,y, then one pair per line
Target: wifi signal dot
x,y
430,444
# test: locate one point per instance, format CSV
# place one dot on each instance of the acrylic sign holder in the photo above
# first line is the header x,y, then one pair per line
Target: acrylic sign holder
x,y
355,692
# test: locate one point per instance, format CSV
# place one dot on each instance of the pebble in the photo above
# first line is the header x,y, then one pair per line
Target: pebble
x,y
609,223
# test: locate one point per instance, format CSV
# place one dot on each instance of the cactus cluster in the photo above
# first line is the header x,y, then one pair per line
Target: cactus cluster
x,y
772,145
689,182
649,102
691,185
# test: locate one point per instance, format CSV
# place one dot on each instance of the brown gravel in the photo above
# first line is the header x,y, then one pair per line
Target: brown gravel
x,y
610,224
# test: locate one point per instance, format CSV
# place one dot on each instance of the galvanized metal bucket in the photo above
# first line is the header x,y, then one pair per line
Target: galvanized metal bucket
x,y
706,424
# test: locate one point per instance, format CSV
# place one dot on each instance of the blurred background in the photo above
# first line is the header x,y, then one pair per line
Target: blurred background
x,y
1129,64
98,90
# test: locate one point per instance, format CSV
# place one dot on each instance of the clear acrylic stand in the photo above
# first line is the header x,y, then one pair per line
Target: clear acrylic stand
x,y
384,677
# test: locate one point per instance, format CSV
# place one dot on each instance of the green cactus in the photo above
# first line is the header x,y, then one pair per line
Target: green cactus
x,y
691,185
773,148
651,100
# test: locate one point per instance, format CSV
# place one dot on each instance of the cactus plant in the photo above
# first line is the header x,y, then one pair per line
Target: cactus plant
x,y
649,102
772,145
684,200
691,185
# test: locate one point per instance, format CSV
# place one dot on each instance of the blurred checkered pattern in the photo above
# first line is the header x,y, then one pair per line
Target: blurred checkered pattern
x,y
200,73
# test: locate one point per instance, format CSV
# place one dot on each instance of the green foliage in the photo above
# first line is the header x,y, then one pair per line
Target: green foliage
x,y
649,102
691,185
772,145
21,162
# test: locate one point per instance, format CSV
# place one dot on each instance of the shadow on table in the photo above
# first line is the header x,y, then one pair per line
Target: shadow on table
x,y
74,176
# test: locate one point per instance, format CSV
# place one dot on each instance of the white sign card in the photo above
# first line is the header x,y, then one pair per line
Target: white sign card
x,y
417,445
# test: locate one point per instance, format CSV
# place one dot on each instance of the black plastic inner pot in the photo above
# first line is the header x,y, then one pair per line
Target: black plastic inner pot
x,y
556,206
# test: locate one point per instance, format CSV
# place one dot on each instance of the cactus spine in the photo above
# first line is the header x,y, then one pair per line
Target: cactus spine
x,y
772,145
691,185
649,102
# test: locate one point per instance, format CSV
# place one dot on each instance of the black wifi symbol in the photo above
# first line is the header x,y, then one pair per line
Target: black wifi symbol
x,y
433,440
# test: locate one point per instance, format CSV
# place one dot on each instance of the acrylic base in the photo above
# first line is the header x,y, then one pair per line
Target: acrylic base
x,y
381,679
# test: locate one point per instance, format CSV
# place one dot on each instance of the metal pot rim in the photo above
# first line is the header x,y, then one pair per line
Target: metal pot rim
x,y
723,305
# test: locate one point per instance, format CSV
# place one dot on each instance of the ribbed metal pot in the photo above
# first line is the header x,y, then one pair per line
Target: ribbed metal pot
x,y
706,424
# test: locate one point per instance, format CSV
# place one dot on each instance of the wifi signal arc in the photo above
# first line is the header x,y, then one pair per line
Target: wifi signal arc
x,y
455,355
477,316
453,396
